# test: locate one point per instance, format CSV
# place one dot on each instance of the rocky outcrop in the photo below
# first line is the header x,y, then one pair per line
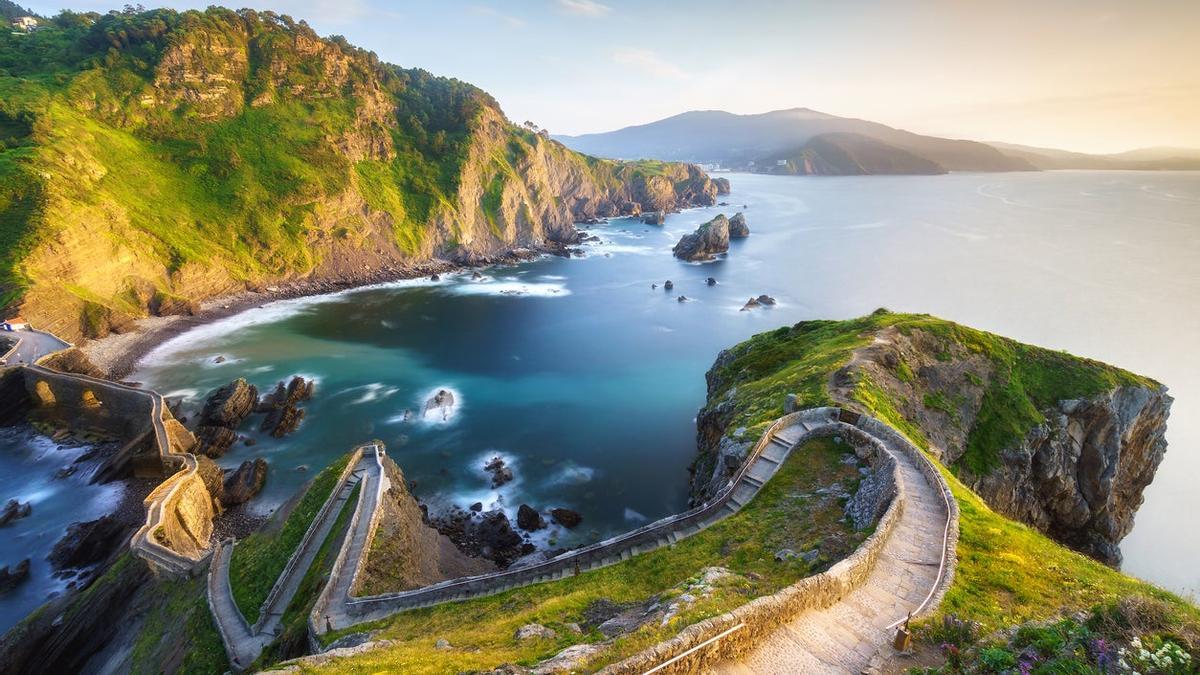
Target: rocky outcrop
x,y
529,519
282,406
407,552
243,483
738,229
14,510
488,535
12,577
501,473
224,411
566,517
722,185
708,241
88,543
440,405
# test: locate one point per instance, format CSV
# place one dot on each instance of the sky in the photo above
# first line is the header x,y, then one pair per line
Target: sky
x,y
1085,75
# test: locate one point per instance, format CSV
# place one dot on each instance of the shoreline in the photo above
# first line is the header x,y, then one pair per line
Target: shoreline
x,y
116,355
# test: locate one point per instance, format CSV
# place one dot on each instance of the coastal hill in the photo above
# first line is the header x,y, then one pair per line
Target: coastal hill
x,y
150,160
770,142
1144,159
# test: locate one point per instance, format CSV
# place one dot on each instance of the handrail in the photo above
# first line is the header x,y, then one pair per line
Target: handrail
x,y
663,525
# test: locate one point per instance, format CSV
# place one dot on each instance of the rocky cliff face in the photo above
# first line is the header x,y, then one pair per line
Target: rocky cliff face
x,y
195,154
1064,444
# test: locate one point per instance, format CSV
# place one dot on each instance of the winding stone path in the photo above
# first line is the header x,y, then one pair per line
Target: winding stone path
x,y
854,634
243,642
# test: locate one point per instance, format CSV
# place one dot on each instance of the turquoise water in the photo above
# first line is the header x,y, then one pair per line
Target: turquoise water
x,y
588,381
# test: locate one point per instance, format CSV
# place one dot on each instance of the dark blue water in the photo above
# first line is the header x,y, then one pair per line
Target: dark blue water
x,y
587,380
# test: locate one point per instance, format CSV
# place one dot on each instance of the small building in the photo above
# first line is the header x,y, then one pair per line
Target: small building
x,y
26,24
15,323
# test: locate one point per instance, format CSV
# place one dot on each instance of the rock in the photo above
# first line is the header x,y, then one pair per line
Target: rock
x,y
750,304
529,519
11,578
477,507
722,185
738,229
214,441
573,628
14,510
488,535
219,359
709,240
242,484
669,285
569,660
302,468
682,298
501,474
765,299
282,421
710,281
227,406
532,631
212,476
435,277
441,403
65,472
476,276
785,554
88,543
442,644
249,441
654,218
566,517
810,557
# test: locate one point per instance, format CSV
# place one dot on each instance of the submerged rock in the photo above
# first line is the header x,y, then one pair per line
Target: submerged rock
x,y
566,517
243,483
709,240
10,578
14,510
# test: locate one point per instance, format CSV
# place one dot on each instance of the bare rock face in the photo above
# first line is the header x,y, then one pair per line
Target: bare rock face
x,y
1079,476
245,482
212,476
566,517
738,229
722,185
706,242
228,406
215,441
487,535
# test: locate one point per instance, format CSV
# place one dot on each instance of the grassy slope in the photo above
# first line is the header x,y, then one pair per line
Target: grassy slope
x,y
1007,571
482,631
258,559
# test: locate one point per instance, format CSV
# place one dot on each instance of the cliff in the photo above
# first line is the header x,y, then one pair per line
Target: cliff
x,y
151,160
1062,443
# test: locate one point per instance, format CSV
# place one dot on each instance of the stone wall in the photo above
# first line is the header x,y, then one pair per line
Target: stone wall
x,y
737,632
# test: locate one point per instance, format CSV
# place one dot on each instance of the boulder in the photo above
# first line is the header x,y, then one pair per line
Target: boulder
x,y
280,422
10,578
738,229
531,631
243,483
710,281
709,240
670,285
654,218
750,304
501,474
765,299
88,543
566,517
529,519
682,298
722,185
440,404
14,510
477,507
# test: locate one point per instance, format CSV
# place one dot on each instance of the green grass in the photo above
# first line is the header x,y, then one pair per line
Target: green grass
x,y
785,514
258,560
292,640
179,615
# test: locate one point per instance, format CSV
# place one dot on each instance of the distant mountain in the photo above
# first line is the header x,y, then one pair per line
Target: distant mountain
x,y
750,141
1144,159
847,154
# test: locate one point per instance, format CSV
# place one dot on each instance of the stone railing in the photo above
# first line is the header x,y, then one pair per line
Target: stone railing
x,y
738,631
646,538
307,541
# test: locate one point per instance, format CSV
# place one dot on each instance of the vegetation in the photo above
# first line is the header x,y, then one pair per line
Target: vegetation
x,y
786,513
178,615
259,559
1008,573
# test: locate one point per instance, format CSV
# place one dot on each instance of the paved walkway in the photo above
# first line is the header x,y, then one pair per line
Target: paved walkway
x,y
846,637
243,642
31,346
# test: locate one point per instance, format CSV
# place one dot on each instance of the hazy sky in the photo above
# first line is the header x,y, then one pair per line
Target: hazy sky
x,y
1089,75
